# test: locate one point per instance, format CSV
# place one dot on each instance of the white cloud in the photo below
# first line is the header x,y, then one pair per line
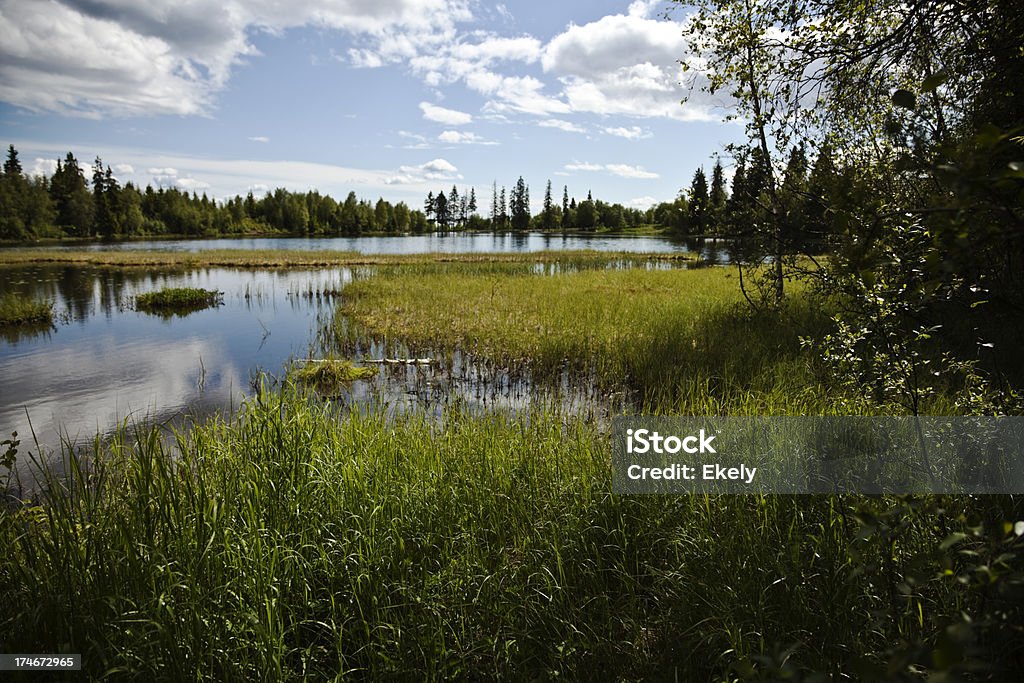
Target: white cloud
x,y
627,171
561,125
631,133
416,141
524,48
93,58
126,169
191,184
263,139
621,170
437,169
625,64
455,137
43,167
450,117
644,202
365,59
171,172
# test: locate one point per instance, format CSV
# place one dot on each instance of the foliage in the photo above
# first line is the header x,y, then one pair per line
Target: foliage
x,y
63,206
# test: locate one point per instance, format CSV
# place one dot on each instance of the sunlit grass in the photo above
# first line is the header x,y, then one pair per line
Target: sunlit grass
x,y
683,339
178,300
331,373
20,310
292,543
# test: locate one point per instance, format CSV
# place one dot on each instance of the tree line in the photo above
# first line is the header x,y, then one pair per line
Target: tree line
x,y
511,210
67,204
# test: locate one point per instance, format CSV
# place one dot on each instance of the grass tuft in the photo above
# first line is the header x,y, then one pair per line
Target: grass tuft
x,y
331,373
18,310
178,300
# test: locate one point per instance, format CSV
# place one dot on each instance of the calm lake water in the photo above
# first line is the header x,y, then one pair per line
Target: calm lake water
x,y
103,361
438,243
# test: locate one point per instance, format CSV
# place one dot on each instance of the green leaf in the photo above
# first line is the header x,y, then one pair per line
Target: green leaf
x,y
905,99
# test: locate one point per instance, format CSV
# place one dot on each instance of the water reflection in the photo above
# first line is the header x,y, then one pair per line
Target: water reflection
x,y
451,242
103,360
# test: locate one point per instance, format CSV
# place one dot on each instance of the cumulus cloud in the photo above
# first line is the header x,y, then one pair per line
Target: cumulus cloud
x,y
644,202
191,184
630,133
125,169
621,170
91,58
624,64
44,167
437,169
454,137
263,139
451,117
567,126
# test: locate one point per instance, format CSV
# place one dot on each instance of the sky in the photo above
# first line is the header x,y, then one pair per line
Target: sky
x,y
387,98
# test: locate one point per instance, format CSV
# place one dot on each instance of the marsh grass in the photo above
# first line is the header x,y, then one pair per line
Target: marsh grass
x,y
682,339
20,310
292,542
285,258
178,300
331,374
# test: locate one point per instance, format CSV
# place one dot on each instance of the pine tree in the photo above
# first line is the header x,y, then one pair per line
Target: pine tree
x,y
520,206
428,205
495,213
717,196
549,209
12,167
565,207
454,202
698,200
472,201
502,207
441,211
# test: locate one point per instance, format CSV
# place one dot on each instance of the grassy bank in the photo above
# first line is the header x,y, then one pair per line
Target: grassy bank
x,y
283,258
290,544
18,310
681,338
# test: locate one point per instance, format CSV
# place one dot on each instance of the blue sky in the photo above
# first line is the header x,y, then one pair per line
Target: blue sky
x,y
389,98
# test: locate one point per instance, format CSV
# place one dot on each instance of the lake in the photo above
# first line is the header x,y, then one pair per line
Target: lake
x,y
103,361
448,243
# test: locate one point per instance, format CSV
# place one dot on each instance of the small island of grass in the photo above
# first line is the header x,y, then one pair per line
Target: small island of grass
x,y
331,373
17,310
178,300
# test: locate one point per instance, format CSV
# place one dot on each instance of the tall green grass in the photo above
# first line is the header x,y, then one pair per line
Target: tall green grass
x,y
289,543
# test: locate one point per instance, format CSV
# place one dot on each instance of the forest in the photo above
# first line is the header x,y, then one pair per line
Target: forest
x,y
67,204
